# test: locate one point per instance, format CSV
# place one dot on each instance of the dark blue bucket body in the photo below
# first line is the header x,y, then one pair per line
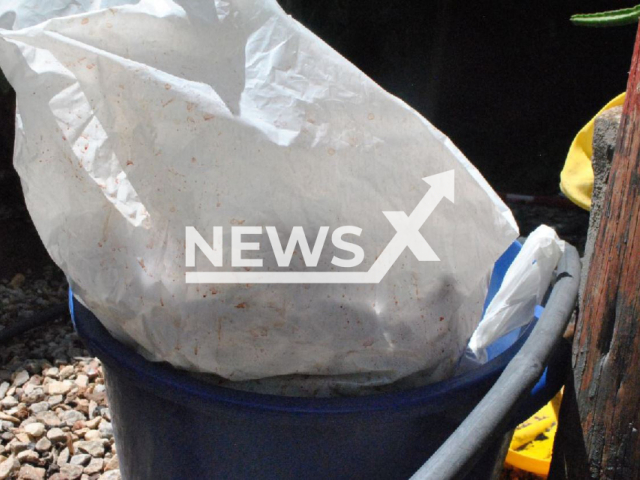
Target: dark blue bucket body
x,y
171,425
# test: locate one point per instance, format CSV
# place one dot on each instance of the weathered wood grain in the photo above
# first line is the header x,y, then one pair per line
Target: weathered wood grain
x,y
598,435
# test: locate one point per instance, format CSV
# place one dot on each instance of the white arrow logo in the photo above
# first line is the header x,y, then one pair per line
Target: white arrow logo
x,y
407,236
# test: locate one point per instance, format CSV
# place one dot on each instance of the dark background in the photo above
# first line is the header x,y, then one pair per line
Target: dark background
x,y
509,82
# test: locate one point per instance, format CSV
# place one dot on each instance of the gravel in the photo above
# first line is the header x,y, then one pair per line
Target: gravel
x,y
25,294
54,417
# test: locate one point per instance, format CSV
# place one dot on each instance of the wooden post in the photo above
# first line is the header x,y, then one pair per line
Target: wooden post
x,y
600,417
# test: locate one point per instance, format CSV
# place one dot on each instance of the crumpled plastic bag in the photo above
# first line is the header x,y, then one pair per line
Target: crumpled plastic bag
x,y
522,289
137,120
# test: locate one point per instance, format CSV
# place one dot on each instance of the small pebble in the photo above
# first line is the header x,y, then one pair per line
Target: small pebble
x,y
56,435
36,430
112,464
79,429
49,418
82,380
17,447
28,456
39,407
29,472
92,435
66,372
43,445
71,416
92,370
93,423
95,466
93,409
22,376
94,448
106,429
80,459
59,388
9,402
72,472
63,458
8,466
110,475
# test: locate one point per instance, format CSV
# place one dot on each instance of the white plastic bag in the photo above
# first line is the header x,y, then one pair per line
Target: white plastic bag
x,y
138,121
522,289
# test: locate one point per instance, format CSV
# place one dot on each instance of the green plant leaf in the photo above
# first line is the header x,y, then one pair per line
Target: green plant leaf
x,y
625,16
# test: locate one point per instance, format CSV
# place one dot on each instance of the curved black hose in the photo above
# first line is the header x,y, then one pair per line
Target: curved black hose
x,y
36,320
461,450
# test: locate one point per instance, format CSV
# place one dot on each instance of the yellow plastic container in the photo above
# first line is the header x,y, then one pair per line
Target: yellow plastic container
x,y
576,179
532,443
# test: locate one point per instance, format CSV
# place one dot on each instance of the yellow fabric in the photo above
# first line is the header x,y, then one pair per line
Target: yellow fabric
x,y
576,178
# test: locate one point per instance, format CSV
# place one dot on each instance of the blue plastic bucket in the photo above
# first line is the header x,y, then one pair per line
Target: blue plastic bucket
x,y
171,425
